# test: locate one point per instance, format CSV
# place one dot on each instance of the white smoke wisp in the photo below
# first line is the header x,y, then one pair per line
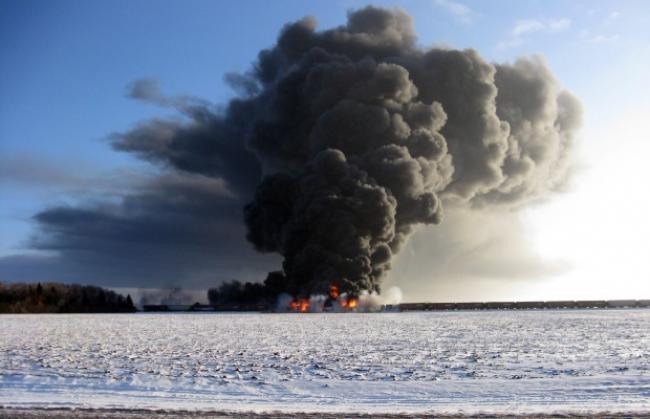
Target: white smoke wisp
x,y
373,302
283,304
317,303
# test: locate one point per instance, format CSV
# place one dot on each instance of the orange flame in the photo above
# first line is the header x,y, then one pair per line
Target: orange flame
x,y
349,303
301,305
334,292
304,306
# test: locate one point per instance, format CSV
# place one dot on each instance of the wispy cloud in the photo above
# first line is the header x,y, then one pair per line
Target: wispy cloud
x,y
460,11
535,25
593,38
606,31
526,27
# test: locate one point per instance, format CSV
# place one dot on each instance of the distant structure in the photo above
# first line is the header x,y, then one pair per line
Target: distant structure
x,y
196,307
494,305
525,305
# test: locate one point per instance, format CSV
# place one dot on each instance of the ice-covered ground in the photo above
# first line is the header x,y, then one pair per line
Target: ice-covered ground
x,y
440,362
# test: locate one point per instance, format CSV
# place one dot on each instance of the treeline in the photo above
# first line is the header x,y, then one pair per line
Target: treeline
x,y
61,298
235,292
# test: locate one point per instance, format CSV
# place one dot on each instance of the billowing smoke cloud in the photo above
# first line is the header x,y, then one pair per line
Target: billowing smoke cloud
x,y
362,134
342,141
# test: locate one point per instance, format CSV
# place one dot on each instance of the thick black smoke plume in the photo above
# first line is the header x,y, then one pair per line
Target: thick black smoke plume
x,y
342,141
361,134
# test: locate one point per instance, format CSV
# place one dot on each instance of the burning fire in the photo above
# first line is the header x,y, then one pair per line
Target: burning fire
x,y
302,305
349,303
334,292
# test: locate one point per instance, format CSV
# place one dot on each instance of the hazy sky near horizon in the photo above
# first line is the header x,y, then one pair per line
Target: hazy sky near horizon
x,y
65,67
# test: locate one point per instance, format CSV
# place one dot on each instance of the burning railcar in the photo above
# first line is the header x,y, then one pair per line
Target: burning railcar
x,y
335,301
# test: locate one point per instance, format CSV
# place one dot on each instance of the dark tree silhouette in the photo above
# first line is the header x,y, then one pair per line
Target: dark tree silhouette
x,y
61,298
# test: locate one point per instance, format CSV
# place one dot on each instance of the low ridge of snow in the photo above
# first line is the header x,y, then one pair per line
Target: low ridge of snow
x,y
439,362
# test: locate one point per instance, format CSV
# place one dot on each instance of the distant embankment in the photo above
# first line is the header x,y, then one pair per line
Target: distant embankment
x,y
497,305
61,298
524,305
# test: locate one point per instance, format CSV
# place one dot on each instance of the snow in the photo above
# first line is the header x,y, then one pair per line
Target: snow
x,y
435,362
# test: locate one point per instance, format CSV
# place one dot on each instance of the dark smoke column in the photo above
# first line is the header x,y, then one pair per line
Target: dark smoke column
x,y
360,135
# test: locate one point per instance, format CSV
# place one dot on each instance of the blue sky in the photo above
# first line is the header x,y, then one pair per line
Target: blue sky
x,y
65,65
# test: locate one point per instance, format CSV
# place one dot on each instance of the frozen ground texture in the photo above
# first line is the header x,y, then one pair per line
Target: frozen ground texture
x,y
435,362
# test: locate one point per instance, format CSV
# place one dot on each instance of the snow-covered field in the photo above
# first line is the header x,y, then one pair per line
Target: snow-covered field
x,y
439,362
